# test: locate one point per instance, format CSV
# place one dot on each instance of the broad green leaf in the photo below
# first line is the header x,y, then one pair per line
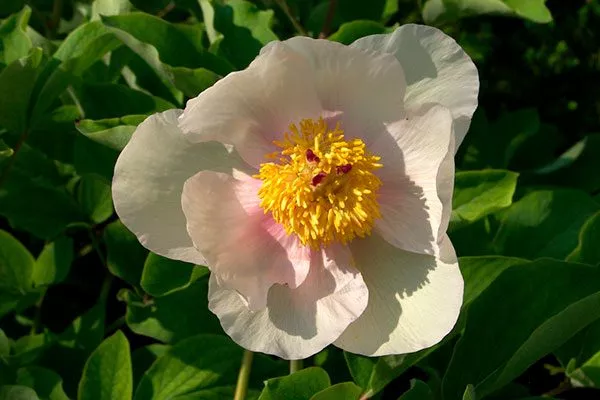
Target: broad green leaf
x,y
33,177
544,224
90,157
15,392
447,10
17,81
46,383
162,276
173,317
245,28
587,251
580,356
374,374
107,374
27,349
14,42
54,262
53,134
351,31
4,345
469,393
203,366
108,100
345,390
418,391
301,385
113,132
479,193
86,331
522,315
143,358
572,167
16,265
192,82
125,254
94,197
162,35
480,272
109,7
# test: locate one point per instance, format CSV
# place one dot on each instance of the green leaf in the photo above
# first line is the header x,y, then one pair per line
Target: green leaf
x,y
351,31
418,390
5,152
525,319
173,317
17,81
46,383
587,251
125,254
162,36
479,193
301,385
94,197
107,375
34,176
86,331
17,393
436,11
199,365
94,158
469,393
54,262
4,345
14,42
143,358
109,7
112,132
374,374
544,224
163,276
480,272
192,82
245,28
346,391
16,265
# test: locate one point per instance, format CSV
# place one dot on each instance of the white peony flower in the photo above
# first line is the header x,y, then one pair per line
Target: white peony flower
x,y
316,185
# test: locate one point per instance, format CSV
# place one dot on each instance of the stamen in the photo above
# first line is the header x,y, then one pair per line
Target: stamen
x,y
315,197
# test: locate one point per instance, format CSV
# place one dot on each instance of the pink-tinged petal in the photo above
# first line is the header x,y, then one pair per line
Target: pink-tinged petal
x,y
412,152
148,182
414,299
364,84
297,323
250,108
437,70
246,249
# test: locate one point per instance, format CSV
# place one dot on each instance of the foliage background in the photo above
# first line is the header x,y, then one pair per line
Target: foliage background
x,y
87,313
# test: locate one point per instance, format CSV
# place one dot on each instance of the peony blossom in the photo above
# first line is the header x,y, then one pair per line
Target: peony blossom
x,y
316,186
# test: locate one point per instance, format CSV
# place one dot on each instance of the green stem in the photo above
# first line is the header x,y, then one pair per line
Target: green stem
x,y
288,13
326,30
242,383
296,365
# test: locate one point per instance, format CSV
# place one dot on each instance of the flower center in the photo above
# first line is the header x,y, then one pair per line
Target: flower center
x,y
321,186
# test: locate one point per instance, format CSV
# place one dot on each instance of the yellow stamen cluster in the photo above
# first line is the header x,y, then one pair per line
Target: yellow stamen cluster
x,y
321,186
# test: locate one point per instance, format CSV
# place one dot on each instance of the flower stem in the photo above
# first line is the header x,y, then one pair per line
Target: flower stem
x,y
288,13
326,30
241,387
296,365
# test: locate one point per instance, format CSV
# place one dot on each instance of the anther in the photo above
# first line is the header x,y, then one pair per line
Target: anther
x,y
318,178
311,156
343,169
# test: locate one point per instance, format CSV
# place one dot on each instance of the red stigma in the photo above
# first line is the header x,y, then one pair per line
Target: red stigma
x,y
343,169
318,178
311,156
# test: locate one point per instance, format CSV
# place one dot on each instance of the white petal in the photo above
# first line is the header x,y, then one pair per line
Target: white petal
x,y
246,249
148,183
297,323
250,108
437,70
414,299
365,84
412,152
